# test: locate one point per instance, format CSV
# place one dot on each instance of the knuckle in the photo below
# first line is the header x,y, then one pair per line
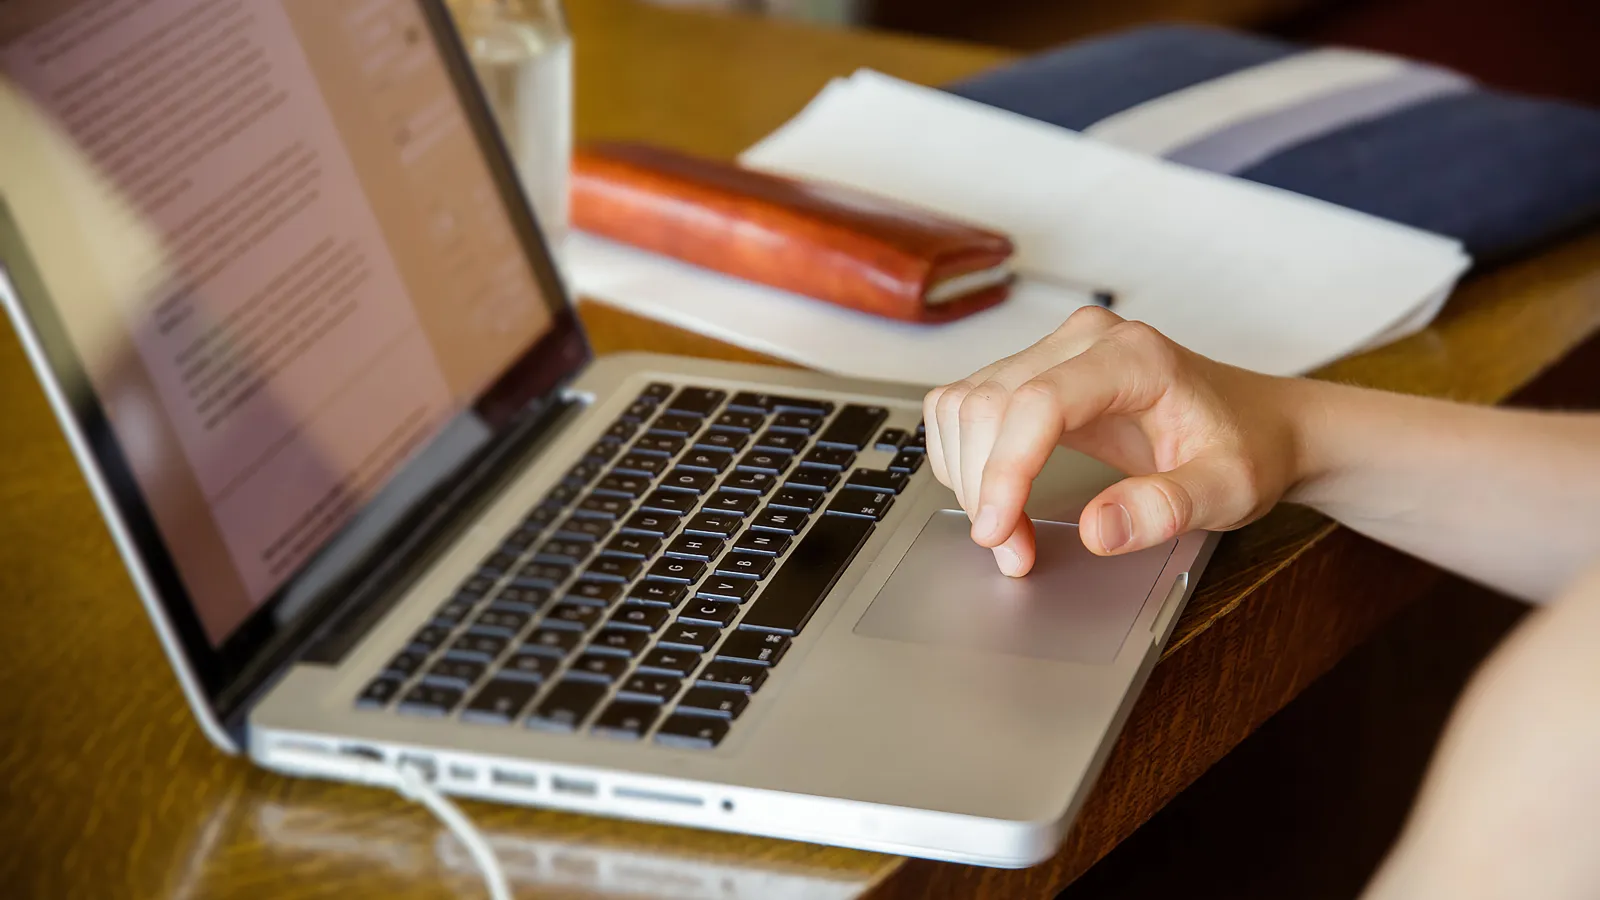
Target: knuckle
x,y
1035,392
984,403
949,401
1089,318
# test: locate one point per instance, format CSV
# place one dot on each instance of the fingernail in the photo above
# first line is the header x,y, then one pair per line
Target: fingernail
x,y
1010,564
1116,526
985,525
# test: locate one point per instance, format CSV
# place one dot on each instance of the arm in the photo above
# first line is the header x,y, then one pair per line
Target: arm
x,y
1509,498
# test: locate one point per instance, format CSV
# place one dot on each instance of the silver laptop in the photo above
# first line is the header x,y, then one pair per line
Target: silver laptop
x,y
383,503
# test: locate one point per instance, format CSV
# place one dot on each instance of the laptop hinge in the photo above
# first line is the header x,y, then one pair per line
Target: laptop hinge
x,y
329,634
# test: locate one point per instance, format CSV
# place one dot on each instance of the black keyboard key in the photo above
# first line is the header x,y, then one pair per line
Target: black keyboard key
x,y
520,597
498,563
627,719
500,701
567,705
738,421
379,692
639,410
581,474
405,663
762,648
531,666
635,545
774,462
560,496
670,661
783,521
784,441
650,688
890,440
476,586
854,427
717,526
736,675
575,616
553,642
577,529
462,672
622,485
732,503
710,612
691,637
644,464
757,483
798,422
564,551
429,637
619,432
604,507
744,565
695,546
676,502
802,499
613,568
620,642
918,444
692,732
694,482
872,505
455,610
658,593
731,588
658,445
602,452
676,569
478,646
431,700
770,543
697,401
874,480
769,403
675,425
812,479
594,593
656,392
906,461
607,667
537,574
710,701
714,461
829,458
499,620
726,441
809,572
653,523
639,617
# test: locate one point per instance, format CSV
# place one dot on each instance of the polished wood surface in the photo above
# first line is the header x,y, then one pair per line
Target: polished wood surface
x,y
107,789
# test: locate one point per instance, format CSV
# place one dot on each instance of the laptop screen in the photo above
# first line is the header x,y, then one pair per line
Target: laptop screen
x,y
285,265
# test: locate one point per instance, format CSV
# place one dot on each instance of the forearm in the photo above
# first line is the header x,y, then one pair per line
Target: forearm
x,y
1508,498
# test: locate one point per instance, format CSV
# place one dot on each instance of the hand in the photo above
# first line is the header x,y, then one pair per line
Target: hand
x,y
1209,446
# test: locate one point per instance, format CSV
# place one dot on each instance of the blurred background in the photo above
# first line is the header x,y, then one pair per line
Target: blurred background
x,y
1540,46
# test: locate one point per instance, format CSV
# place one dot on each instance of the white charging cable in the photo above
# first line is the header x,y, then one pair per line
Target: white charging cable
x,y
412,783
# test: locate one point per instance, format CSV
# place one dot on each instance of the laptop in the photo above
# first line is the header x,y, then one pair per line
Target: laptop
x,y
383,502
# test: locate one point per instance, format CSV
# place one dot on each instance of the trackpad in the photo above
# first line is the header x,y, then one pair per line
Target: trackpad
x,y
1074,606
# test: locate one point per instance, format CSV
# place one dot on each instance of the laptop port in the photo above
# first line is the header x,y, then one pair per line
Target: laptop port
x,y
573,786
512,779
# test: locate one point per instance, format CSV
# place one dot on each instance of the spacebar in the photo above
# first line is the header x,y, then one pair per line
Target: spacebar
x,y
808,574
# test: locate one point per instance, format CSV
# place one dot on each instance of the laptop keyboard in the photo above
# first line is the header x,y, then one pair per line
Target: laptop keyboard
x,y
651,592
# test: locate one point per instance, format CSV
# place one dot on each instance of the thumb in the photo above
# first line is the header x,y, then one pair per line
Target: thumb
x,y
1147,510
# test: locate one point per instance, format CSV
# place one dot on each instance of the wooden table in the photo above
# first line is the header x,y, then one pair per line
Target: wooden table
x,y
108,789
